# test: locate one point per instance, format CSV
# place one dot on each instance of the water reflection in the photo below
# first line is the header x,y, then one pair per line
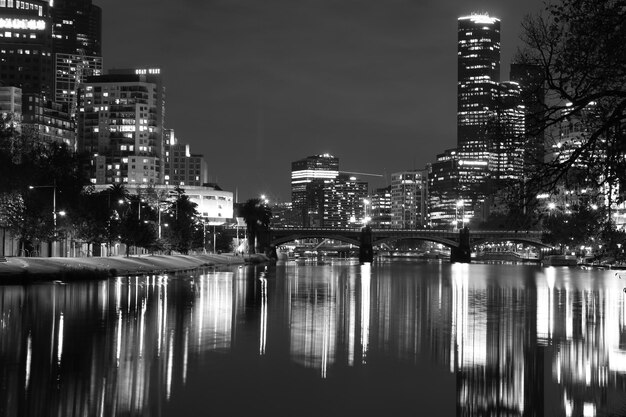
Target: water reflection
x,y
499,340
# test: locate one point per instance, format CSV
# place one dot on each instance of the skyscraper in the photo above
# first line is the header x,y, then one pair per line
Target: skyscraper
x,y
308,178
77,44
478,79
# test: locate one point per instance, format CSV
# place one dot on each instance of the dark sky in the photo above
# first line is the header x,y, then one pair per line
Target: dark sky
x,y
256,84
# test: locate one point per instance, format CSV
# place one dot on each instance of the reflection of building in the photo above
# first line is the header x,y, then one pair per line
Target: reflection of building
x,y
409,202
120,123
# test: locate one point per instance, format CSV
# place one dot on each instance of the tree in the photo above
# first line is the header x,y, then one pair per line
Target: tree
x,y
182,216
33,173
579,47
257,216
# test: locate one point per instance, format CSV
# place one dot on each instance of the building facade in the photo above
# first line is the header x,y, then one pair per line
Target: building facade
x,y
26,58
181,166
409,190
344,202
379,210
309,177
120,123
11,106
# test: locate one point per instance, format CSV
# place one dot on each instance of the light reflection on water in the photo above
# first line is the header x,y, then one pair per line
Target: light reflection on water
x,y
391,338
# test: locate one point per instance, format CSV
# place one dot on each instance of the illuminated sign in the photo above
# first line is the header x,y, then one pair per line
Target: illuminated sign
x,y
22,24
151,71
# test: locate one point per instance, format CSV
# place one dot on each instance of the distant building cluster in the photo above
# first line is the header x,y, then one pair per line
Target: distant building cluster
x,y
494,143
52,85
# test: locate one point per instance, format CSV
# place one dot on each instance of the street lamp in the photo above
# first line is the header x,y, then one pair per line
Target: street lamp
x,y
459,204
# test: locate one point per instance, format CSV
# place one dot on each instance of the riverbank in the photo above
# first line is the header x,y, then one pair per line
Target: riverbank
x,y
23,270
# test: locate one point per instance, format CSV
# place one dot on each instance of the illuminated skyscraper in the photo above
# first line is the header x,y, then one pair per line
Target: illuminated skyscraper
x,y
308,177
478,79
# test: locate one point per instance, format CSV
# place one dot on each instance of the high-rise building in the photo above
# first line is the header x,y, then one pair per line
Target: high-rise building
x,y
443,190
380,208
343,202
308,178
409,191
26,46
533,95
507,143
77,27
478,79
490,122
48,121
77,47
181,166
120,123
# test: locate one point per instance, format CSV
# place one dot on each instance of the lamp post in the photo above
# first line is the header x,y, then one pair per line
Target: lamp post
x,y
54,207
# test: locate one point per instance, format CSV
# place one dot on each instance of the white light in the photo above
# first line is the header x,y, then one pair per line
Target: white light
x,y
481,19
22,24
551,206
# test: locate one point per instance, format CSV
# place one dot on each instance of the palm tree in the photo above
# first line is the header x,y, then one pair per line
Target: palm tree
x,y
257,216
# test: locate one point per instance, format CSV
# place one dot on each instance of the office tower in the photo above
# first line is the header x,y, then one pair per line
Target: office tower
x,y
120,123
508,136
77,27
181,166
77,47
343,202
533,95
443,190
478,79
308,177
379,208
26,46
408,199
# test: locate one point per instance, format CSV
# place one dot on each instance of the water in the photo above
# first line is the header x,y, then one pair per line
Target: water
x,y
319,340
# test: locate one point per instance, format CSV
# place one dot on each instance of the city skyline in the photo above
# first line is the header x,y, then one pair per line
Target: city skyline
x,y
283,82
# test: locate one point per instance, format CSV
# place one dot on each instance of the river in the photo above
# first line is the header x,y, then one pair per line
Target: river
x,y
340,339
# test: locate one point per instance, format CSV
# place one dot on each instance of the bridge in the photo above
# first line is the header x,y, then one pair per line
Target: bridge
x,y
460,242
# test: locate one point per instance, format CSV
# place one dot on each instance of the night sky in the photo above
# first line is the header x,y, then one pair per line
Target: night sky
x,y
254,85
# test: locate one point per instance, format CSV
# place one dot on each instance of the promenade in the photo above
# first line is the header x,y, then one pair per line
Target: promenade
x,y
16,270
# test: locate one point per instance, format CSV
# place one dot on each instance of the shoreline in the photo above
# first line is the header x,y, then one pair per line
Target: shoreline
x,y
17,270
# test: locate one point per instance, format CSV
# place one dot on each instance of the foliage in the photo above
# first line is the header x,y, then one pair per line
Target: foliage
x,y
575,226
579,47
181,214
257,216
33,173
